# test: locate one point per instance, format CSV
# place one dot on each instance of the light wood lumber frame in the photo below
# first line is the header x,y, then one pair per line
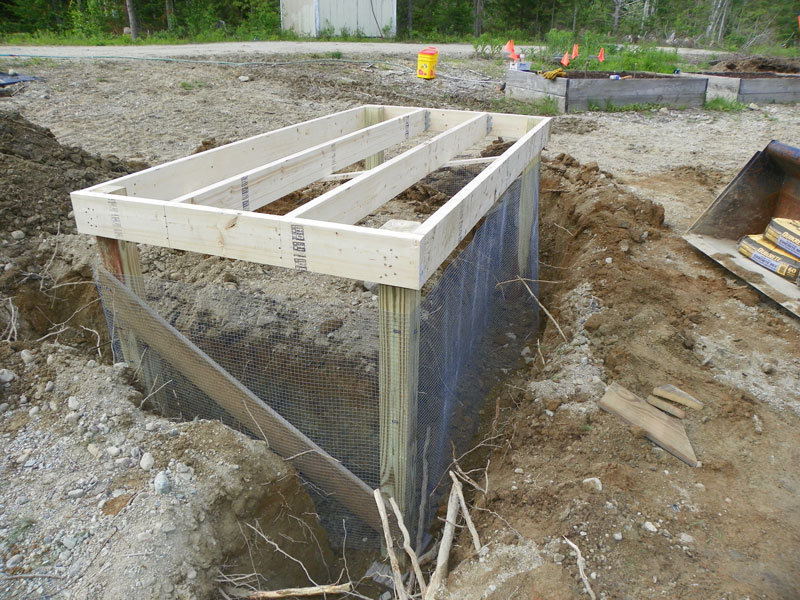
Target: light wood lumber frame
x,y
326,243
444,229
252,189
173,179
357,198
280,435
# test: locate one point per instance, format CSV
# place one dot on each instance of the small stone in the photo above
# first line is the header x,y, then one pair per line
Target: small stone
x,y
558,557
91,363
33,411
609,260
518,471
757,424
161,483
49,386
150,426
69,542
685,538
76,493
18,234
94,450
663,110
648,526
700,486
593,482
168,527
3,407
768,368
14,561
26,356
113,451
7,376
147,461
244,78
72,403
72,418
618,536
751,106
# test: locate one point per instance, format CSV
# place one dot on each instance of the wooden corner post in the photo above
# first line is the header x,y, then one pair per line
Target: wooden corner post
x,y
121,259
398,323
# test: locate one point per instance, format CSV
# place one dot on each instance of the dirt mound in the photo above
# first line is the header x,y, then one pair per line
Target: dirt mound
x,y
759,64
39,174
638,306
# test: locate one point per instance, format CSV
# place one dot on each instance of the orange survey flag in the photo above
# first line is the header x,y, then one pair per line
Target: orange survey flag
x,y
509,47
565,59
602,55
574,51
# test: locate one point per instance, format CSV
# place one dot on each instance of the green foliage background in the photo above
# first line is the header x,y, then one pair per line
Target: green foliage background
x,y
748,23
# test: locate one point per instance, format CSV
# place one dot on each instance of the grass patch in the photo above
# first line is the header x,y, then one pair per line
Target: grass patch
x,y
725,105
191,85
638,107
546,107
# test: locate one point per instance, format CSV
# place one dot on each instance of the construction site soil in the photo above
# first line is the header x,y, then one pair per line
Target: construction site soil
x,y
100,499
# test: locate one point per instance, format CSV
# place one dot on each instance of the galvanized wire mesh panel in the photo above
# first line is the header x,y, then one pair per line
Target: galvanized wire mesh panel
x,y
322,373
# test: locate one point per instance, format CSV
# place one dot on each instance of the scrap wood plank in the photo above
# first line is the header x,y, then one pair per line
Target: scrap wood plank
x,y
670,392
282,437
666,406
668,432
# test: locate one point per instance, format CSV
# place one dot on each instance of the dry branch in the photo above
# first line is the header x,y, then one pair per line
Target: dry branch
x,y
407,547
547,312
476,541
443,557
399,588
317,590
581,564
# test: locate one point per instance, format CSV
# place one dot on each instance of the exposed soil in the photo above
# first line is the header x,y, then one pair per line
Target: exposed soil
x,y
759,63
636,304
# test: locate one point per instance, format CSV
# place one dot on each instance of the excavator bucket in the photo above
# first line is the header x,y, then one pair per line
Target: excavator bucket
x,y
767,187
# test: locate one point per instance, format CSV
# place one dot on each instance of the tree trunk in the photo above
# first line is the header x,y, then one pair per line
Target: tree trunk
x,y
169,11
721,33
410,18
132,19
574,19
645,13
479,7
617,13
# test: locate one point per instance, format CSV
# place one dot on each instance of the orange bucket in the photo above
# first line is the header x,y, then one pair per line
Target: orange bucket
x,y
426,63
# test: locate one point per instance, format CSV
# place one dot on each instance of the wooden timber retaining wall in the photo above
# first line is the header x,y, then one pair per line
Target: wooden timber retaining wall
x,y
578,94
778,88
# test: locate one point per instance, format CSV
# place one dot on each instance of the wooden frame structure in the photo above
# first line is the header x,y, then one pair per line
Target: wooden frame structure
x,y
204,203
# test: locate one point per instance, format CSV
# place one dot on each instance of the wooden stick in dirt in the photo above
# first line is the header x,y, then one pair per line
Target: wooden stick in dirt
x,y
317,590
547,312
409,550
476,541
444,549
397,575
581,563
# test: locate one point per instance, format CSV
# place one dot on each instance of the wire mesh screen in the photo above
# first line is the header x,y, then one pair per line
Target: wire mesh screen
x,y
320,369
474,324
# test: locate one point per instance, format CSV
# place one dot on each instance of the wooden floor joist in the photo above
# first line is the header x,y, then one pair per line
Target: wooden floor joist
x,y
205,203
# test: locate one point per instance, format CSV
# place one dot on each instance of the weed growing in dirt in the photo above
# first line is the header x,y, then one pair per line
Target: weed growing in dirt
x,y
639,107
19,530
723,104
191,85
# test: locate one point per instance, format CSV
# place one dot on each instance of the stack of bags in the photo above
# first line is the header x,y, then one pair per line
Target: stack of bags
x,y
778,249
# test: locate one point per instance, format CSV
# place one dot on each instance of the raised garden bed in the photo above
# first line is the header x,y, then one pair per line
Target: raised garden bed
x,y
593,89
751,87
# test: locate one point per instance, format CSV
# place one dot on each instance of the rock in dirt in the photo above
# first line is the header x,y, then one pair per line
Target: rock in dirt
x,y
648,526
7,376
26,356
147,461
161,483
593,483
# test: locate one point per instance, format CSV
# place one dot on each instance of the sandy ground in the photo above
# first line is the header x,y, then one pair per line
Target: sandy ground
x,y
226,49
636,304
